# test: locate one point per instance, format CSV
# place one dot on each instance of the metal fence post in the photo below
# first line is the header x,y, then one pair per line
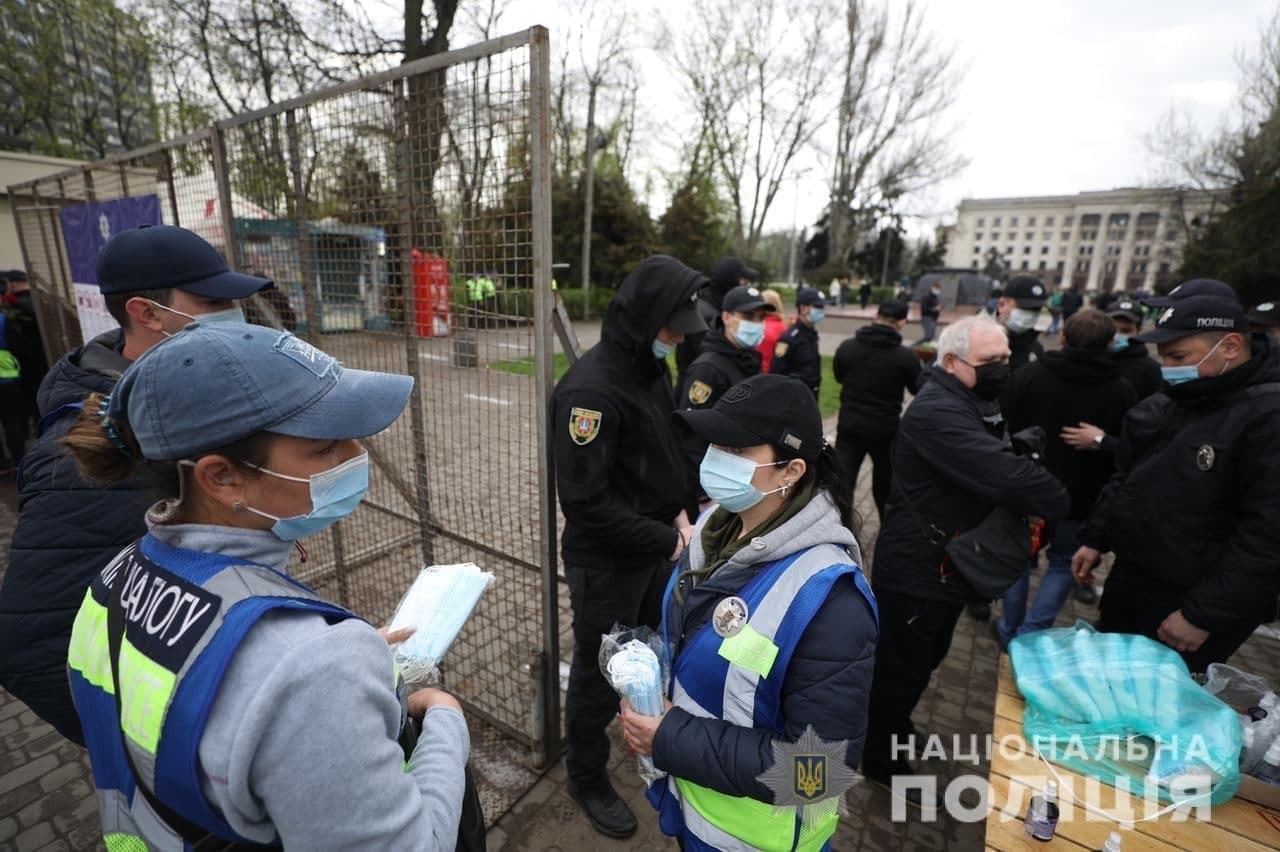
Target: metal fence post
x,y
222,180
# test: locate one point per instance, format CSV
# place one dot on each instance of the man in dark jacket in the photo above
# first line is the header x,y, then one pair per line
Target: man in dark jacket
x,y
154,280
1018,309
1074,384
953,464
24,338
874,370
729,272
1131,355
1072,301
796,353
1193,513
930,311
623,488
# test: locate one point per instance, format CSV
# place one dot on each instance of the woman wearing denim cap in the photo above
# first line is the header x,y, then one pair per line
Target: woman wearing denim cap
x,y
242,705
771,631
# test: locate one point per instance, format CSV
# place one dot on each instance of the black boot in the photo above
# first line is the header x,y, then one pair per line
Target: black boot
x,y
605,809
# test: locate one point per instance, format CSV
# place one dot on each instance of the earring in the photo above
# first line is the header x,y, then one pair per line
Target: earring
x,y
237,506
785,487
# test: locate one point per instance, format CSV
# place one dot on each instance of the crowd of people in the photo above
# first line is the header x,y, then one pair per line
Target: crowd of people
x,y
147,611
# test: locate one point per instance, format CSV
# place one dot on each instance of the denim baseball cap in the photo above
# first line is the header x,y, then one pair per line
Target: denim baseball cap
x,y
165,257
214,384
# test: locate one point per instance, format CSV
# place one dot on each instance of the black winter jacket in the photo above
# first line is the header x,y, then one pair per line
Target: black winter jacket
x,y
1141,370
619,469
796,354
719,366
873,369
1194,509
1065,388
954,459
930,305
68,530
1024,348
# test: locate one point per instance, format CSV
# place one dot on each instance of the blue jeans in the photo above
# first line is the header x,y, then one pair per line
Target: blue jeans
x,y
1056,584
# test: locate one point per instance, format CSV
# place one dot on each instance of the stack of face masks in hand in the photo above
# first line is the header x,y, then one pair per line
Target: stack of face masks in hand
x,y
635,673
438,604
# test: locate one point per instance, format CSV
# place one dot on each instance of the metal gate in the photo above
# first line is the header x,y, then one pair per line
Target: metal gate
x,y
372,204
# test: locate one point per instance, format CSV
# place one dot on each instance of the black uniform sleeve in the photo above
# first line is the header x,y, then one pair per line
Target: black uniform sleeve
x,y
582,480
912,371
841,364
703,386
827,686
783,352
807,366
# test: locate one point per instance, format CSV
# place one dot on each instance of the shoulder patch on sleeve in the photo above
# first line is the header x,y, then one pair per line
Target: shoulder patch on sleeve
x,y
781,349
699,392
584,425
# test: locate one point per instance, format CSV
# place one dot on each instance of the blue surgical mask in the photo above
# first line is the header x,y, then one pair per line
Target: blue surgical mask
x,y
335,493
1190,372
1021,320
749,334
235,313
662,350
726,479
817,315
1120,342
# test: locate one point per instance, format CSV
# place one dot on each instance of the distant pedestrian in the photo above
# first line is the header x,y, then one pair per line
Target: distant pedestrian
x,y
774,328
834,291
930,310
797,353
25,341
1072,301
864,293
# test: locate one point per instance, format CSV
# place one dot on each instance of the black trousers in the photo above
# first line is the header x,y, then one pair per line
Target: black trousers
x,y
915,636
1130,605
601,598
853,448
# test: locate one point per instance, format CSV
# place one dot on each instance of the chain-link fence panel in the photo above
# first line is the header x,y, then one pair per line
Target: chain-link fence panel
x,y
405,220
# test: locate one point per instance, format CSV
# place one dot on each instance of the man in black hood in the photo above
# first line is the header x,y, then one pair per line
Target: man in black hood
x,y
623,488
729,272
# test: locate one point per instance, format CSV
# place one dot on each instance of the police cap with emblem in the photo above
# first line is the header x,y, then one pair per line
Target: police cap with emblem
x,y
810,296
1266,315
1027,292
744,300
213,385
1126,309
1197,315
764,409
1193,287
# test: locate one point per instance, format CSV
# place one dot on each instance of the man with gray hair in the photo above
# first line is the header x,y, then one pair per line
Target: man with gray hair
x,y
953,464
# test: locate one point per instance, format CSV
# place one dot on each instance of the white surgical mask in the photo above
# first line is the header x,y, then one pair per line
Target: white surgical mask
x,y
1020,320
232,314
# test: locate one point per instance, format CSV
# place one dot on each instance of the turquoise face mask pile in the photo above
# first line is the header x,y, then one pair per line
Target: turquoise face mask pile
x,y
437,605
634,671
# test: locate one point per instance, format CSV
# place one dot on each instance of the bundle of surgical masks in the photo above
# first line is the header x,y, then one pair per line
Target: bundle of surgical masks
x,y
631,662
437,605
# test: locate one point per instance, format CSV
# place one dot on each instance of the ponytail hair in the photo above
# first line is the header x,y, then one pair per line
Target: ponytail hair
x,y
827,474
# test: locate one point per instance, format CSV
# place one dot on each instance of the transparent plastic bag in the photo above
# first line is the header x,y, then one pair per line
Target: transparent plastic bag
x,y
437,605
1118,706
1259,709
633,661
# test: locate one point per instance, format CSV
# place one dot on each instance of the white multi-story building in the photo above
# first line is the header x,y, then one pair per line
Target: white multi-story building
x,y
1122,239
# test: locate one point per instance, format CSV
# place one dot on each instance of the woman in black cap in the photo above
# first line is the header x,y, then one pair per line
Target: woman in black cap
x,y
771,631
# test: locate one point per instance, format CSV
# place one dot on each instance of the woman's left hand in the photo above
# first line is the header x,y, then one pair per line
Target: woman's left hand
x,y
638,730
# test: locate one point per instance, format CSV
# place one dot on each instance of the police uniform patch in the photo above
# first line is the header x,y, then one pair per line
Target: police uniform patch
x,y
584,425
1205,458
729,617
781,349
699,392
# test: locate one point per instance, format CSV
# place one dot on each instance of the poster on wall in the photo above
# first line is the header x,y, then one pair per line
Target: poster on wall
x,y
85,230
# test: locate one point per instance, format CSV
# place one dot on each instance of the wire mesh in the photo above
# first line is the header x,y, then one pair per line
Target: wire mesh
x,y
396,216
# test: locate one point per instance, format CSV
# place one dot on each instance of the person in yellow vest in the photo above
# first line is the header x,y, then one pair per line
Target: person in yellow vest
x,y
13,413
771,630
220,698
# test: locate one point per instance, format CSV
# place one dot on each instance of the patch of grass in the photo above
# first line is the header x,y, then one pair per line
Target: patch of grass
x,y
526,367
829,390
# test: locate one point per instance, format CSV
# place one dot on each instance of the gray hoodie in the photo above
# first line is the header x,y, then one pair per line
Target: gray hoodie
x,y
301,741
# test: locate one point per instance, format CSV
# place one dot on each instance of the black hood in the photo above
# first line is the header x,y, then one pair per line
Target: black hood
x,y
1081,368
645,301
879,336
93,368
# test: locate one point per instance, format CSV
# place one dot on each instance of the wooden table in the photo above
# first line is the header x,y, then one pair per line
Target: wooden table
x,y
1236,825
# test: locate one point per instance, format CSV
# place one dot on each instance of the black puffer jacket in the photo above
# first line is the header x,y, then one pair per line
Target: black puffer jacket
x,y
619,470
1195,508
1065,388
1024,348
67,532
1137,365
874,369
954,459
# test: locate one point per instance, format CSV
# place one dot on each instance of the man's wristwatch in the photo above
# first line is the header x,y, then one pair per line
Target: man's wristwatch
x,y
1097,441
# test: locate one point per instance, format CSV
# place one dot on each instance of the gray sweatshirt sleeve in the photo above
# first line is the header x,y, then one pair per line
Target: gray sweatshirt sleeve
x,y
301,744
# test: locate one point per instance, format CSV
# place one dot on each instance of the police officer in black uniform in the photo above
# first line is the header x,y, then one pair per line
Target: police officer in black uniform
x,y
796,352
1131,355
729,272
624,488
728,356
1018,309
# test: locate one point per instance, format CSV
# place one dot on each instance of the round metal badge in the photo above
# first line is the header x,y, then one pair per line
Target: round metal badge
x,y
1205,458
730,617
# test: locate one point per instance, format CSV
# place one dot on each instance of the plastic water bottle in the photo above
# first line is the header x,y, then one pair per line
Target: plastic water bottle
x,y
1042,815
1270,769
1113,842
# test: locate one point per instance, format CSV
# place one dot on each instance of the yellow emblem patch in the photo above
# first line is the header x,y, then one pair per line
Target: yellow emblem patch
x,y
699,392
584,425
780,350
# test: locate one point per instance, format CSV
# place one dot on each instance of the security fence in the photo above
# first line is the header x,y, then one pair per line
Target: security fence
x,y
405,218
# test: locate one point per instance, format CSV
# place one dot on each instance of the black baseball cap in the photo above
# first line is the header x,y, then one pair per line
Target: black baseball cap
x,y
894,309
744,300
1127,309
730,270
15,275
1027,292
1266,314
164,257
810,296
1197,315
764,409
1194,287
685,319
